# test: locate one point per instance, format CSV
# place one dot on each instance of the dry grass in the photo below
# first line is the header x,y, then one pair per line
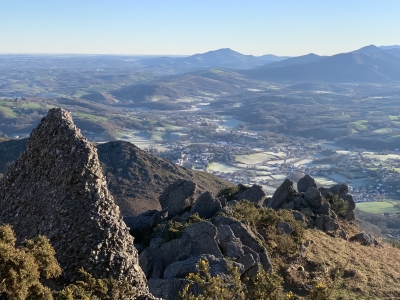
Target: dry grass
x,y
377,273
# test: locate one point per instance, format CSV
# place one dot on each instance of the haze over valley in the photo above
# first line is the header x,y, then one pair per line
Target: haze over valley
x,y
247,119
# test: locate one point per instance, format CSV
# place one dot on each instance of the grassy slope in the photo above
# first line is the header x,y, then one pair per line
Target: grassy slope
x,y
378,268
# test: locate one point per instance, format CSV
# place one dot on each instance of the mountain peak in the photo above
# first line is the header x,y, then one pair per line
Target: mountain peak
x,y
369,50
56,188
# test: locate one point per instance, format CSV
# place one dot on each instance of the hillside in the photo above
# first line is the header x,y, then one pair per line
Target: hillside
x,y
135,178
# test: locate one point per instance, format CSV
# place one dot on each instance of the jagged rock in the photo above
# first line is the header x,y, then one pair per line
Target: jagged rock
x,y
289,205
247,238
232,247
169,289
158,217
325,209
326,223
365,239
254,194
285,193
313,197
305,182
202,238
178,197
343,235
206,206
298,216
285,227
56,188
339,188
180,269
307,212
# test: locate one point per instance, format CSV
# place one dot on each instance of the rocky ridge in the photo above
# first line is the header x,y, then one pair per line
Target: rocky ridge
x,y
56,188
208,232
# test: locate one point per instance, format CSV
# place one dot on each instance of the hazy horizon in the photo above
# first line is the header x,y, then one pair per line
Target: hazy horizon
x,y
123,27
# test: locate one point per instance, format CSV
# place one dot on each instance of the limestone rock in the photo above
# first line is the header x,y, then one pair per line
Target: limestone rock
x,y
254,194
313,197
285,193
247,238
202,238
168,289
326,223
285,227
365,239
206,206
178,197
56,188
180,269
305,182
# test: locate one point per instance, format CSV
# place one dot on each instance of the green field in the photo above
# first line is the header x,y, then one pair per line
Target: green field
x,y
31,105
8,112
377,207
90,117
383,130
360,124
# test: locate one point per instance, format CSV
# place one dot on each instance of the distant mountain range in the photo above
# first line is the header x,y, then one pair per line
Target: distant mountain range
x,y
222,58
368,64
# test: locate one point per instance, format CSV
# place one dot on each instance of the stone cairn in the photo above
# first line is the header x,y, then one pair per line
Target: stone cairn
x,y
56,188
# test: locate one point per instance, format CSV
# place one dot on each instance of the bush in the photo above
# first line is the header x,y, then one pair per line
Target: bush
x,y
265,285
174,229
96,289
21,268
338,205
265,220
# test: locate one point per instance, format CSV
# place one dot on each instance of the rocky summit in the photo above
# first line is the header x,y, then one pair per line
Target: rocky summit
x,y
56,188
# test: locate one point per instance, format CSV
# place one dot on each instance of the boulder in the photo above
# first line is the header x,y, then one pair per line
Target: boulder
x,y
247,238
298,216
158,217
325,209
254,194
178,197
364,238
339,188
180,269
285,193
285,227
202,237
169,289
206,206
326,223
313,197
305,182
232,247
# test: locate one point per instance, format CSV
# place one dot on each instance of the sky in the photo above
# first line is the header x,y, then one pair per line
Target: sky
x,y
186,27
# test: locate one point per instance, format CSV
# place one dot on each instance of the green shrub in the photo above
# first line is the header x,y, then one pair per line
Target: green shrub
x,y
265,220
263,286
174,229
95,289
338,205
21,268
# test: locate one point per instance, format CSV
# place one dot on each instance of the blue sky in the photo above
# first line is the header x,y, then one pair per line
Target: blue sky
x,y
187,27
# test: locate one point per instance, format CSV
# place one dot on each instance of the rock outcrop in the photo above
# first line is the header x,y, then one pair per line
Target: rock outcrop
x,y
56,188
180,239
